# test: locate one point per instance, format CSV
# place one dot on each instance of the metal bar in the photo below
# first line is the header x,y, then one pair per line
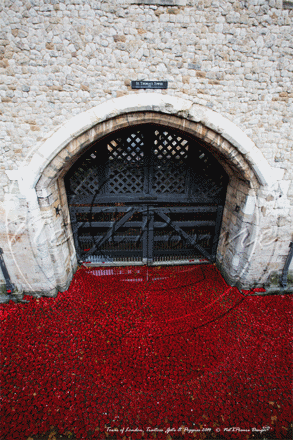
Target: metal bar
x,y
187,189
9,285
75,225
134,198
144,234
95,209
107,224
176,227
135,238
146,178
150,238
134,224
284,276
112,229
116,238
179,209
127,175
176,251
185,224
147,198
150,139
116,252
186,236
178,237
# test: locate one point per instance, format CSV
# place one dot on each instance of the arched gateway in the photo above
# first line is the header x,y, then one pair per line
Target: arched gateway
x,y
146,178
147,193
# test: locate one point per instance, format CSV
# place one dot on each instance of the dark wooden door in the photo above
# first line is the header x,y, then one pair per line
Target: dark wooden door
x,y
146,194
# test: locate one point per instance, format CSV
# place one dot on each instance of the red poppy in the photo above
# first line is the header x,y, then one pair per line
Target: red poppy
x,y
146,348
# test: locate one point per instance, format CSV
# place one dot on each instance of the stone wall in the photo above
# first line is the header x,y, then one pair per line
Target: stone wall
x,y
2,281
61,58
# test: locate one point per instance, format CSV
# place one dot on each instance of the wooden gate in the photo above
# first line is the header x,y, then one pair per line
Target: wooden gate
x,y
146,194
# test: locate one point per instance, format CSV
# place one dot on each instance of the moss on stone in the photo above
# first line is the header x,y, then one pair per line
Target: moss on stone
x,y
275,278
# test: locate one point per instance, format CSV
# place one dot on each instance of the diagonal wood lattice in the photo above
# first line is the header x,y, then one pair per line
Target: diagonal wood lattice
x,y
146,168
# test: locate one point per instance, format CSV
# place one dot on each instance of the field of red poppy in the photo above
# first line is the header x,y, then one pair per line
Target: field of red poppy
x,y
161,352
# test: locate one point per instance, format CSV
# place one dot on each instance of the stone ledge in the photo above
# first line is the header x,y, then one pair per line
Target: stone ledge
x,y
271,290
17,297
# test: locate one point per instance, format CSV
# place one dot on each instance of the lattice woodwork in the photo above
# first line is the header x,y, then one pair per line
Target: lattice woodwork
x,y
125,167
170,155
125,180
86,183
146,169
127,149
129,163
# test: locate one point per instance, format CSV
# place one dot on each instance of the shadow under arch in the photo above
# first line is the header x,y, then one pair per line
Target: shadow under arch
x,y
175,186
43,177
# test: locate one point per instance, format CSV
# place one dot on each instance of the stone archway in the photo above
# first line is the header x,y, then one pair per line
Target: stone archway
x,y
146,194
42,179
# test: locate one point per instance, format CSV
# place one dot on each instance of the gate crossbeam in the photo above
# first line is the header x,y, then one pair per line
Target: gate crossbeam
x,y
190,240
116,225
163,190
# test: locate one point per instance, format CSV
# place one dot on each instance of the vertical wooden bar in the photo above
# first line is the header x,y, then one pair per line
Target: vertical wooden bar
x,y
149,140
150,241
144,232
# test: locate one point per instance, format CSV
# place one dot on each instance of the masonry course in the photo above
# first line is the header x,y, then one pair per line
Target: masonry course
x,y
59,59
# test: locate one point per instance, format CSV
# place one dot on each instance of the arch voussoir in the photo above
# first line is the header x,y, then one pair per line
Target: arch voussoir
x,y
243,162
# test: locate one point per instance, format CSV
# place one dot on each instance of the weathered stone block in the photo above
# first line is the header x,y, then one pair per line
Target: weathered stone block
x,y
225,59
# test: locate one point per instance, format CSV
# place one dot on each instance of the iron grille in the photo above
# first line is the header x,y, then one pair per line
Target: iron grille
x,y
148,194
